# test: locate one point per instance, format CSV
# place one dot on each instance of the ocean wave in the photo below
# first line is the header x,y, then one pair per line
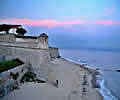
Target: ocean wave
x,y
106,92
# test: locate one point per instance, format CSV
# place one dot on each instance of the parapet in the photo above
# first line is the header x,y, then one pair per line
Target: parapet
x,y
13,35
54,52
43,41
40,42
7,38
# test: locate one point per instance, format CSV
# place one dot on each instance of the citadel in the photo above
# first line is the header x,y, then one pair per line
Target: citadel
x,y
29,49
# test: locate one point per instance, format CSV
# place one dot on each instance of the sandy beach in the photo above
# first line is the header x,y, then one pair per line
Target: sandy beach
x,y
74,83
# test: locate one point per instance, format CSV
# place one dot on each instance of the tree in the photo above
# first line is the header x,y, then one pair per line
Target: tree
x,y
21,31
5,28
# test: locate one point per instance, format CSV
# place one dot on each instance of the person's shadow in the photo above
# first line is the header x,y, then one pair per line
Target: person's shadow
x,y
56,83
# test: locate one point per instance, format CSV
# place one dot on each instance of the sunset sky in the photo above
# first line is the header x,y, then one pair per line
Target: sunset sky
x,y
90,22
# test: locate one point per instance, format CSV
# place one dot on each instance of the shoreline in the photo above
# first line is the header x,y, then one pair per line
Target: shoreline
x,y
93,79
98,81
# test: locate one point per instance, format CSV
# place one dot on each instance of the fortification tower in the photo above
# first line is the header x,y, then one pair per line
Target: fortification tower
x,y
43,41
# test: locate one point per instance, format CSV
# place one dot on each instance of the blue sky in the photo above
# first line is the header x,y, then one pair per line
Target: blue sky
x,y
60,9
90,22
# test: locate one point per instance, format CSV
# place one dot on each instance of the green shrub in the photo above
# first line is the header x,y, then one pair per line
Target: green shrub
x,y
6,65
28,77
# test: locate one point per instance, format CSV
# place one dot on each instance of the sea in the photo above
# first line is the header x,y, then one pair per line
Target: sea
x,y
107,61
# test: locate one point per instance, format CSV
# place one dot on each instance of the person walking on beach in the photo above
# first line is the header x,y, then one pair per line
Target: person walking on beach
x,y
57,83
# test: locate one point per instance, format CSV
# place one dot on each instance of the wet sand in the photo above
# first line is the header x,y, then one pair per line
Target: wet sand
x,y
74,83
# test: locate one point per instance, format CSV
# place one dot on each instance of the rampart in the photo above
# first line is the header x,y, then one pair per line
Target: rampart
x,y
7,38
33,50
25,41
54,53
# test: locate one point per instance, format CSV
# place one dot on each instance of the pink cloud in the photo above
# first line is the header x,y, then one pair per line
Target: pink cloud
x,y
54,23
44,23
107,22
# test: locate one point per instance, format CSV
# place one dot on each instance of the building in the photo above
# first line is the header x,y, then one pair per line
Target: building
x,y
25,41
26,48
33,50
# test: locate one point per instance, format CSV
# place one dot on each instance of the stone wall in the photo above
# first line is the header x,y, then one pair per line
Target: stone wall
x,y
33,50
25,40
2,58
54,53
7,38
7,83
35,56
4,51
26,45
42,42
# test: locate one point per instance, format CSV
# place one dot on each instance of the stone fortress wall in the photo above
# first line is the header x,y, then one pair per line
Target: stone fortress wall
x,y
12,46
54,52
7,38
30,50
24,41
33,50
27,55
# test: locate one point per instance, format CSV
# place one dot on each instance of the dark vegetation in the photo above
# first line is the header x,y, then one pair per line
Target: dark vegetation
x,y
28,77
6,65
21,31
7,27
14,76
31,77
